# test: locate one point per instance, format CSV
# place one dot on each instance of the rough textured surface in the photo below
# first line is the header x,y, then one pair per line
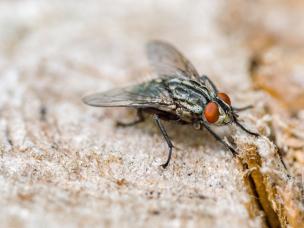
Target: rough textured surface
x,y
63,163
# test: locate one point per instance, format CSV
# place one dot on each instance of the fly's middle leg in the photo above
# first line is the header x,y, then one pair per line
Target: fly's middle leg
x,y
164,133
140,119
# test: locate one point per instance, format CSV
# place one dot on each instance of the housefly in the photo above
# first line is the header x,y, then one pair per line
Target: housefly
x,y
179,94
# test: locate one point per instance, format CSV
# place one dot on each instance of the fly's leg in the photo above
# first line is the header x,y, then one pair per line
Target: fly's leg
x,y
169,143
218,138
246,130
242,108
140,118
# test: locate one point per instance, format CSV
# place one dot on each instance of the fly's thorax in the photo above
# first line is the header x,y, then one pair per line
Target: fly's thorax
x,y
189,95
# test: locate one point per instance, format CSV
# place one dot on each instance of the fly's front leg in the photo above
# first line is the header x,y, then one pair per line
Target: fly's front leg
x,y
164,133
245,129
242,108
218,138
140,118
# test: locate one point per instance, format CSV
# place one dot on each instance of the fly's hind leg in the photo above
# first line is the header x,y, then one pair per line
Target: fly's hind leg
x,y
169,143
140,118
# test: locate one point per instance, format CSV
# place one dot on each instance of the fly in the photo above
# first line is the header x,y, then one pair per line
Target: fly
x,y
179,94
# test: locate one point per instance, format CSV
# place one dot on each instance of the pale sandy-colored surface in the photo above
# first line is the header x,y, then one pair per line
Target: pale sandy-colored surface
x,y
64,163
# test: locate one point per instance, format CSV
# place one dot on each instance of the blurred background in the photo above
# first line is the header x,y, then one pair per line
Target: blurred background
x,y
54,52
94,37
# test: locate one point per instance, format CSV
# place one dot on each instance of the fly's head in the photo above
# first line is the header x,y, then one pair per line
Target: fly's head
x,y
219,111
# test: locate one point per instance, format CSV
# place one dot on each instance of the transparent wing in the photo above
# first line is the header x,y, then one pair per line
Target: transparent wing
x,y
151,94
168,61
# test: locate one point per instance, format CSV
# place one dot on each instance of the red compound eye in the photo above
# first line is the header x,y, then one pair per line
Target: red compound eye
x,y
224,97
211,112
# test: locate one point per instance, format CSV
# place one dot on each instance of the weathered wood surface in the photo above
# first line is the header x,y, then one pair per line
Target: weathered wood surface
x,y
63,163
